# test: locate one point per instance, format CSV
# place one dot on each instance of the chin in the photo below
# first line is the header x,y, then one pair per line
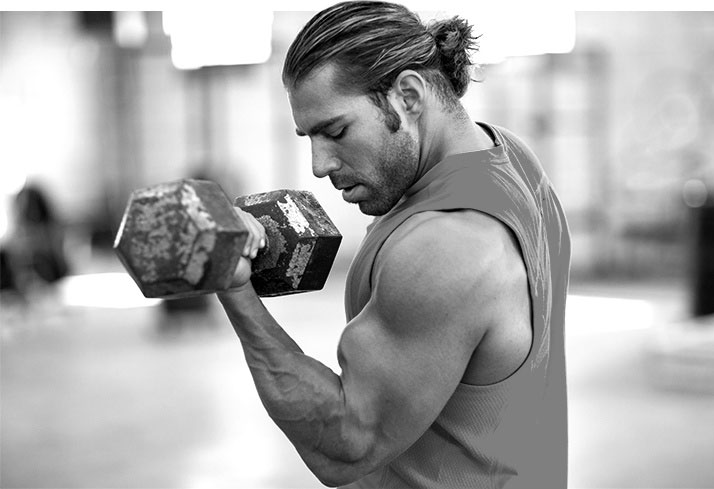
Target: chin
x,y
376,207
368,210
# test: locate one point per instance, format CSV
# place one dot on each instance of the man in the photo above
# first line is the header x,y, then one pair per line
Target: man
x,y
452,359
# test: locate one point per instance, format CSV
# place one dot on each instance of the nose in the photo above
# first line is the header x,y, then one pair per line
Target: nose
x,y
323,161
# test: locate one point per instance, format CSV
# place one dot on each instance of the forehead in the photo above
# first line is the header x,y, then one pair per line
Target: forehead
x,y
316,98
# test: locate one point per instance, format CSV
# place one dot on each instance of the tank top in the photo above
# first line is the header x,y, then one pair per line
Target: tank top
x,y
512,433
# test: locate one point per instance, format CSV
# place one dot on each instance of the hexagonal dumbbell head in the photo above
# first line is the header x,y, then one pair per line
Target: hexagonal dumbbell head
x,y
302,242
180,239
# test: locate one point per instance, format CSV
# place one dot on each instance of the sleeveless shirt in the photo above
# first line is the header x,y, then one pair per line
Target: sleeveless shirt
x,y
512,433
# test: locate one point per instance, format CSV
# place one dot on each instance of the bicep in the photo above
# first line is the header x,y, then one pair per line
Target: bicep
x,y
396,385
403,356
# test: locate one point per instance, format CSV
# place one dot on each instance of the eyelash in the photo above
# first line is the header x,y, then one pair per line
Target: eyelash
x,y
340,134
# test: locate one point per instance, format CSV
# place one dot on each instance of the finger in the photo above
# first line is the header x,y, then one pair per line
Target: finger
x,y
259,236
256,235
241,275
249,227
262,235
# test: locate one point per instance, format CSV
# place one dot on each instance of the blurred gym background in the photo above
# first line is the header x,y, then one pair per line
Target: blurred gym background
x,y
103,388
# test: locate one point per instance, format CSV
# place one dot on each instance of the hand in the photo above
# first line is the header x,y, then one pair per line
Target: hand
x,y
256,240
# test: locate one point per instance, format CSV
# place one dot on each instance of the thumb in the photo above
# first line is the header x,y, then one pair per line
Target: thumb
x,y
242,273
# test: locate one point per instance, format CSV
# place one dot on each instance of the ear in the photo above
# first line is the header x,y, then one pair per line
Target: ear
x,y
408,93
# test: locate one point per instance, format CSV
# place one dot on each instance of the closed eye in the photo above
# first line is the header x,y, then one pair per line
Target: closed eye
x,y
337,135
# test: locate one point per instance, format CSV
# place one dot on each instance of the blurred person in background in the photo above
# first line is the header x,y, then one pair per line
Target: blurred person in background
x,y
452,359
33,255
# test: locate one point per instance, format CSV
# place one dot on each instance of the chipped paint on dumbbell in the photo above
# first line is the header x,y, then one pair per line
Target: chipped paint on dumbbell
x,y
159,240
298,262
295,216
203,246
254,199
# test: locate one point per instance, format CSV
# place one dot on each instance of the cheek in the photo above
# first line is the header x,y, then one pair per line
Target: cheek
x,y
363,149
356,154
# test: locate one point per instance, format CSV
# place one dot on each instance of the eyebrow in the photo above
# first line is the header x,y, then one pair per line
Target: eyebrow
x,y
320,126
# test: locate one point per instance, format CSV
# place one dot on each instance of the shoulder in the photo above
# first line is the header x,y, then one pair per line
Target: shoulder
x,y
515,142
453,263
451,239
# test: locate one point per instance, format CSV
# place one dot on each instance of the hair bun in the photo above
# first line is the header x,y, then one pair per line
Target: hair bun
x,y
455,42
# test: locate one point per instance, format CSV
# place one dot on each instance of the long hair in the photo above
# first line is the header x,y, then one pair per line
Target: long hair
x,y
371,42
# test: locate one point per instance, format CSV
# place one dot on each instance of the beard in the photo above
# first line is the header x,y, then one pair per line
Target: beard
x,y
393,175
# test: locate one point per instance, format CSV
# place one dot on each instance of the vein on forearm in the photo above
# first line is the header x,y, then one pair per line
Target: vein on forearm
x,y
305,398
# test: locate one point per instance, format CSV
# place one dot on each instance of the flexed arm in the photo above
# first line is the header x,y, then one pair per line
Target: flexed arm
x,y
401,357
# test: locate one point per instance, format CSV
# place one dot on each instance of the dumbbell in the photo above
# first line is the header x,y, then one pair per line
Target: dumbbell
x,y
184,238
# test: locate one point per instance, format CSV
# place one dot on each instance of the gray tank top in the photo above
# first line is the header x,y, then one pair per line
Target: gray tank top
x,y
513,433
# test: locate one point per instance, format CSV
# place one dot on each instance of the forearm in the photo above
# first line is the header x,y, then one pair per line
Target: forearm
x,y
304,397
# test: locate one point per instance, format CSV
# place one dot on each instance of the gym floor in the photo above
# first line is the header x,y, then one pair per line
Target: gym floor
x,y
102,390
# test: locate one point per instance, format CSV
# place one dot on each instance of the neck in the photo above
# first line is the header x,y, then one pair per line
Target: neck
x,y
445,134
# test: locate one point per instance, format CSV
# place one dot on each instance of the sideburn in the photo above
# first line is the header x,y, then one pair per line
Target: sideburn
x,y
391,118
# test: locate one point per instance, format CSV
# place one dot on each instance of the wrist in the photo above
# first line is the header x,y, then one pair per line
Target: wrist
x,y
237,298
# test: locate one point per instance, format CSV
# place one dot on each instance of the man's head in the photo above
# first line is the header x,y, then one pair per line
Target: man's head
x,y
347,62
